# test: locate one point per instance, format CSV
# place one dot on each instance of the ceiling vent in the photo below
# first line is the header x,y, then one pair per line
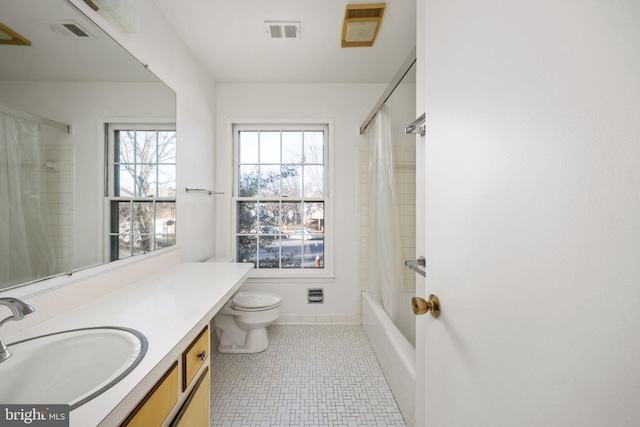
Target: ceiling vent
x,y
279,30
69,29
361,24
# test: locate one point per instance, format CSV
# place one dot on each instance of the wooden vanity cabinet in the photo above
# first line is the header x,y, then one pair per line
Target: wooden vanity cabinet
x,y
194,357
195,412
158,403
171,396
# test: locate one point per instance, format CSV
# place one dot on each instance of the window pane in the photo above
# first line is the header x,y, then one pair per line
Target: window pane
x,y
269,181
167,181
313,181
126,146
123,228
314,217
124,218
166,146
248,147
269,252
314,253
291,253
292,147
314,147
146,147
165,218
291,181
248,181
291,217
269,218
125,247
247,217
147,181
247,249
142,243
269,147
165,240
143,224
127,184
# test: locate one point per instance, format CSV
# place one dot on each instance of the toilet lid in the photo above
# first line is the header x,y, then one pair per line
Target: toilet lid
x,y
255,300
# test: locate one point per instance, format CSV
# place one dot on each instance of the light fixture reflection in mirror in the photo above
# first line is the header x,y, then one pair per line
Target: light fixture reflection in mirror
x,y
60,218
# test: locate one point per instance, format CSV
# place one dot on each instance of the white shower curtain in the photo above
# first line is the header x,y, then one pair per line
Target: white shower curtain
x,y
384,248
26,248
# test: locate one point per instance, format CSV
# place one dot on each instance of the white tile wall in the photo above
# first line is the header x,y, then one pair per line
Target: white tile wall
x,y
320,376
59,165
405,175
318,319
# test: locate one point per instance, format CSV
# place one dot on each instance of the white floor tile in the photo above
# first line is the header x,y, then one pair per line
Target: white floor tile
x,y
311,375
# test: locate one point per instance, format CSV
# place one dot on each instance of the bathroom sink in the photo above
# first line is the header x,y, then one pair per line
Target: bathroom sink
x,y
69,367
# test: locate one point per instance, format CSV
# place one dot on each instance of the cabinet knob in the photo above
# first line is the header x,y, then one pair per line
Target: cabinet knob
x,y
202,355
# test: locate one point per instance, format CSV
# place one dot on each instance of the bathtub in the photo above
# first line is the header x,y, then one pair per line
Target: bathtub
x,y
394,352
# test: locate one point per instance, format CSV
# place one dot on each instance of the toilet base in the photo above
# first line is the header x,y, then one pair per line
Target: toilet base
x,y
256,341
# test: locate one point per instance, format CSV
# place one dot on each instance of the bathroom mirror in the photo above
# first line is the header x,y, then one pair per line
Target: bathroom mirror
x,y
58,68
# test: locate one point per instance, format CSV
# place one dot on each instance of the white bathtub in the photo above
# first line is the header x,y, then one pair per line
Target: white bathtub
x,y
395,353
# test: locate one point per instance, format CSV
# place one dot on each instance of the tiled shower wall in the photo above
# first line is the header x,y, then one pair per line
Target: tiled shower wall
x,y
405,176
59,164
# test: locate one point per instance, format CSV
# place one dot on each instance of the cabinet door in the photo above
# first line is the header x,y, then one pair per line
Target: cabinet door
x,y
155,407
195,412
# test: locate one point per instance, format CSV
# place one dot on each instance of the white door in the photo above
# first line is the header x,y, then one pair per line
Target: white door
x,y
531,213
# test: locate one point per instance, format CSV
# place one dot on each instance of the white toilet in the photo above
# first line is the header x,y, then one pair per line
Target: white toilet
x,y
241,325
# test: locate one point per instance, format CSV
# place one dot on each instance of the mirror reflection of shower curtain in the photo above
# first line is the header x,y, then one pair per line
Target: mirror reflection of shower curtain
x,y
384,248
26,244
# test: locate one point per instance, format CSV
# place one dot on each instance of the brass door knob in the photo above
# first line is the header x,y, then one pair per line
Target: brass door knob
x,y
421,306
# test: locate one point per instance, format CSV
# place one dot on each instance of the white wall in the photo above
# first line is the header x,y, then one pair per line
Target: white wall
x,y
157,45
347,106
86,106
532,216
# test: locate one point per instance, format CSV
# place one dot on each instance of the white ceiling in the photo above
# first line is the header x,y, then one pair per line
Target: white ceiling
x,y
230,40
54,57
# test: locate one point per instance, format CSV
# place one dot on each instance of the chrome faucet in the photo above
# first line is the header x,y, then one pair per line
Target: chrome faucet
x,y
19,309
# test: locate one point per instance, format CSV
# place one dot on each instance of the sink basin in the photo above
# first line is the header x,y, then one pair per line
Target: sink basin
x,y
69,367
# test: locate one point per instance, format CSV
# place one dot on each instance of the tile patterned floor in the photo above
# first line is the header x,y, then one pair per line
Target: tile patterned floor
x,y
311,375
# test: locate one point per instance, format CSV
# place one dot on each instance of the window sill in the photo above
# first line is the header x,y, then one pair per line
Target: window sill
x,y
278,277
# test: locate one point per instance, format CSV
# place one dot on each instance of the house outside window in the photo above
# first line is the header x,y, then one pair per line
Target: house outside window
x,y
142,188
281,196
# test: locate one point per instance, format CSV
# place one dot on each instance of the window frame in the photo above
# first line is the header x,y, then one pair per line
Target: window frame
x,y
110,180
287,274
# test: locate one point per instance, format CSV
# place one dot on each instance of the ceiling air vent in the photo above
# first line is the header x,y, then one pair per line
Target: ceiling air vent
x,y
361,24
69,29
283,30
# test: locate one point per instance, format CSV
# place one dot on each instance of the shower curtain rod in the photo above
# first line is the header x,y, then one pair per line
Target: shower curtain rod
x,y
402,71
34,118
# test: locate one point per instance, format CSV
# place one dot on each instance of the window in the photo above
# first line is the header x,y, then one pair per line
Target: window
x,y
281,196
142,193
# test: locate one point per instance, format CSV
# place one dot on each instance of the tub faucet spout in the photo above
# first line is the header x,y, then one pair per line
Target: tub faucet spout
x,y
19,309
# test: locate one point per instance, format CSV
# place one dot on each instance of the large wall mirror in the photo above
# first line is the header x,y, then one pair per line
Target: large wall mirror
x,y
70,200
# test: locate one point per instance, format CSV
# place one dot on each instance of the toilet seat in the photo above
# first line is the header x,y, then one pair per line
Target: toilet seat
x,y
255,301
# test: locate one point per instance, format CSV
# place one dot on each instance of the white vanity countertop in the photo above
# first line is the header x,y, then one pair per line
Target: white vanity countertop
x,y
165,307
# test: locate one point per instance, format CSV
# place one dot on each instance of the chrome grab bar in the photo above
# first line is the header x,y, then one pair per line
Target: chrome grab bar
x,y
203,190
417,265
417,124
